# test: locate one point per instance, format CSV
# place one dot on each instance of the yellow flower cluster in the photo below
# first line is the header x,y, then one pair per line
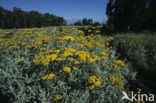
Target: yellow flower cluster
x,y
19,60
58,97
94,58
117,64
67,69
83,55
46,39
75,67
139,90
31,46
110,38
93,82
116,79
66,38
99,45
76,62
98,31
15,53
48,76
87,44
80,32
45,60
104,55
68,52
89,31
120,63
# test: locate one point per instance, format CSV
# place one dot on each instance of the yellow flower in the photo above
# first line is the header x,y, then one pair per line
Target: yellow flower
x,y
42,49
38,42
45,61
104,57
120,63
45,77
19,60
120,83
91,87
75,68
59,59
29,54
115,79
74,28
98,83
91,60
76,63
67,69
51,76
48,76
97,31
104,53
93,82
37,59
121,76
80,32
111,47
69,38
58,97
107,44
89,30
112,78
70,59
31,46
7,33
83,55
15,53
104,83
110,38
139,90
53,57
46,39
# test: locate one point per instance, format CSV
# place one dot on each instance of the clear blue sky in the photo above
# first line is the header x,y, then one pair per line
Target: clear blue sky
x,y
69,9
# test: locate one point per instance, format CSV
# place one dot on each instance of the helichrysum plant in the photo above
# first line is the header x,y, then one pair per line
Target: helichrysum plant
x,y
37,66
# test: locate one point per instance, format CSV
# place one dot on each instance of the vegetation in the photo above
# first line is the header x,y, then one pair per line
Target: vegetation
x,y
140,51
84,63
37,65
131,15
85,22
22,19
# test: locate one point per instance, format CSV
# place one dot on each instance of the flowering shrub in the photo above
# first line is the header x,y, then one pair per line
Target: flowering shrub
x,y
63,67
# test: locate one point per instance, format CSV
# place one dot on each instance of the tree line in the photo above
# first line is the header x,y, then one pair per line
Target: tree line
x,y
86,21
131,15
18,18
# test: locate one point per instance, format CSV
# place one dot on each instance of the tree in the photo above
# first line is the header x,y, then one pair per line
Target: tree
x,y
84,21
96,24
19,19
90,21
78,22
125,15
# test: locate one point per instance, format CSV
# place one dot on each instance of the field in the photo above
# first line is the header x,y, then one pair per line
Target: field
x,y
63,65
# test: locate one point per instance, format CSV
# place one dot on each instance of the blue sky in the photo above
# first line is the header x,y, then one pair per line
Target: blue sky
x,y
71,10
